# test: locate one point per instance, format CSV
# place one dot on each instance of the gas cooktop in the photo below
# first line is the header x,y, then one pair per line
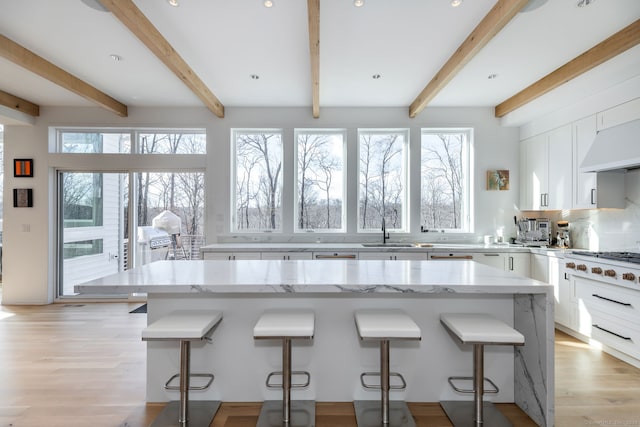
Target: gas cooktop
x,y
633,257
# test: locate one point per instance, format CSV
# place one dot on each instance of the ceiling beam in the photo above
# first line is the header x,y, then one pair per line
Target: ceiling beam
x,y
313,7
491,24
40,66
19,104
621,41
133,18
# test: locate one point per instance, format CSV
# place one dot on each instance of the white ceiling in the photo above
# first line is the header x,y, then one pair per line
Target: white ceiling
x,y
225,41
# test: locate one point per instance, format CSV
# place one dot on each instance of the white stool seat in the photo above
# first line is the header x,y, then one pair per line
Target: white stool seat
x,y
285,323
481,328
378,324
182,325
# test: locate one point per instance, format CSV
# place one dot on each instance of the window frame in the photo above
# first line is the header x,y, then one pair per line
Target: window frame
x,y
406,179
234,175
466,210
296,200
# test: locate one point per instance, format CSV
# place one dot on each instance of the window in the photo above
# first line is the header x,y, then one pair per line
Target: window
x,y
446,171
383,178
257,179
72,141
172,143
82,248
82,199
320,180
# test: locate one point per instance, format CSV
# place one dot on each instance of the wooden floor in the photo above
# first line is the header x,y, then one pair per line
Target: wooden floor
x,y
83,365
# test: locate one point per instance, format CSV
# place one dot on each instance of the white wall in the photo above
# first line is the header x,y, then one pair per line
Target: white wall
x,y
28,264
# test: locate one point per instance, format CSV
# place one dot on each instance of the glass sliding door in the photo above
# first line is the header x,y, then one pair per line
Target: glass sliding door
x,y
93,227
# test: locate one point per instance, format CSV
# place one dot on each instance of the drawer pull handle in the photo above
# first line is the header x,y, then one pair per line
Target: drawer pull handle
x,y
626,304
491,254
336,256
452,257
612,333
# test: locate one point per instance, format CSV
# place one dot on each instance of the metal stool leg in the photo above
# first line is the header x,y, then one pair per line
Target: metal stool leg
x,y
384,380
478,382
286,380
185,358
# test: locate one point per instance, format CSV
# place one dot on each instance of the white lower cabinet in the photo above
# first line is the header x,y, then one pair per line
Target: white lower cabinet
x,y
551,269
287,255
393,256
231,256
507,261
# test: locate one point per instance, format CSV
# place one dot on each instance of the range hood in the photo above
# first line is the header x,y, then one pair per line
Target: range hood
x,y
616,148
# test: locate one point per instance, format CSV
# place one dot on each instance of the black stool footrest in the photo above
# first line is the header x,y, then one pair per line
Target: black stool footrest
x,y
167,385
378,387
300,385
451,380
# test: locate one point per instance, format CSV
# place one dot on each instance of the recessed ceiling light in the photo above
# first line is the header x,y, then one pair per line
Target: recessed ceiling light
x,y
115,57
254,77
358,3
585,3
492,76
173,3
376,76
456,3
268,3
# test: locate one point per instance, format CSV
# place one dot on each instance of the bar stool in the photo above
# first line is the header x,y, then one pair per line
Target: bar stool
x,y
286,325
185,326
478,329
384,325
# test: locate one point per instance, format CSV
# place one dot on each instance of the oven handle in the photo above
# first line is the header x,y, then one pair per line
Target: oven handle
x,y
626,304
612,333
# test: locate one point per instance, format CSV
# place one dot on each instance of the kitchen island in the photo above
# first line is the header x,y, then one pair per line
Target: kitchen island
x,y
335,357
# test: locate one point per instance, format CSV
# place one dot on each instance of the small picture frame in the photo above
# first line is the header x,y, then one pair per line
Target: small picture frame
x,y
22,197
23,168
498,180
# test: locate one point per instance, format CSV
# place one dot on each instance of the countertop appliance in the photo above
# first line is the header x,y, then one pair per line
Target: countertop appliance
x,y
534,232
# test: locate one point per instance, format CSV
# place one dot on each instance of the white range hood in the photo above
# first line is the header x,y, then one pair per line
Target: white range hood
x,y
615,148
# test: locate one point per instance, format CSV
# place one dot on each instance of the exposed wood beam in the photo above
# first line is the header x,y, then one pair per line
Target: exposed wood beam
x,y
38,65
491,24
313,7
624,39
133,18
19,104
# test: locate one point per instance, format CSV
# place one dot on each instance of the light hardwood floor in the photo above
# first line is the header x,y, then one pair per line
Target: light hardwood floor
x,y
82,365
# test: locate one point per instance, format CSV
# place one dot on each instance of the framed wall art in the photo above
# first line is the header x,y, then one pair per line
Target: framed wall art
x,y
498,179
22,197
23,168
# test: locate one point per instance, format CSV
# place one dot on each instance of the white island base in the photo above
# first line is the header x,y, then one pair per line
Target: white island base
x,y
336,357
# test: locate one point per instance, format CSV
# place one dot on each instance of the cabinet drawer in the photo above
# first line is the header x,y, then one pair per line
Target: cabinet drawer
x,y
621,303
609,330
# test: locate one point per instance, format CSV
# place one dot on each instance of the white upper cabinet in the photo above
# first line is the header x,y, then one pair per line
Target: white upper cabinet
x,y
591,189
619,114
547,167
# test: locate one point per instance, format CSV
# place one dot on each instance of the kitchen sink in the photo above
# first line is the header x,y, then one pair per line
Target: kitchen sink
x,y
388,245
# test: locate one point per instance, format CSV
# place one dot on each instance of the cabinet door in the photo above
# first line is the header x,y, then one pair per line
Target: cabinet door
x,y
518,263
376,255
619,114
565,305
286,255
560,170
494,259
593,190
217,256
539,267
536,173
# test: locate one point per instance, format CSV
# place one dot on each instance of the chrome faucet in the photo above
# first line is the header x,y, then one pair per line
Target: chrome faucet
x,y
385,234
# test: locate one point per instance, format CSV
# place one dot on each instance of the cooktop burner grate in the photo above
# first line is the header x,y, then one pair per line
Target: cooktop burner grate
x,y
632,257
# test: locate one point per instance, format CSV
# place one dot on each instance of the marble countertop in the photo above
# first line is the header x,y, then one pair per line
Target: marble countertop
x,y
317,276
364,247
